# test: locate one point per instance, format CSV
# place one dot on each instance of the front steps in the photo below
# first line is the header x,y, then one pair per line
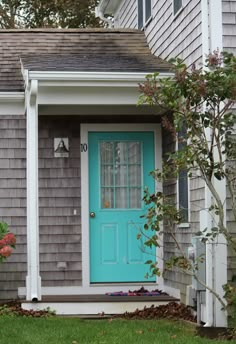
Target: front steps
x,y
86,305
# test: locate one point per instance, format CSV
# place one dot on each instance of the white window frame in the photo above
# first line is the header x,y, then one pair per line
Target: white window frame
x,y
145,21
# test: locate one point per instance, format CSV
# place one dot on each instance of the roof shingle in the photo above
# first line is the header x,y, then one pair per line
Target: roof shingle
x,y
73,50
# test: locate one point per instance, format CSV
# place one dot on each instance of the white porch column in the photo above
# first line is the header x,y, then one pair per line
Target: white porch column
x,y
220,245
216,251
33,280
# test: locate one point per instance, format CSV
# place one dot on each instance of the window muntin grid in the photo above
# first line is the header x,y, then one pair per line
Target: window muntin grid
x,y
121,174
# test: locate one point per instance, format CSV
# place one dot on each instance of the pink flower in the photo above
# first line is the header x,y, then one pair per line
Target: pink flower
x,y
2,243
10,239
6,251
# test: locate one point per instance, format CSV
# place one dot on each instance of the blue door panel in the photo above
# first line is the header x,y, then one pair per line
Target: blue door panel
x,y
115,253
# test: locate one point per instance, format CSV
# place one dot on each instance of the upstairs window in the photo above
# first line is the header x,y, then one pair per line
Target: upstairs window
x,y
177,5
144,12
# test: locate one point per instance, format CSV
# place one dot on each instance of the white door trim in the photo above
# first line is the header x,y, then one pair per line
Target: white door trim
x,y
84,130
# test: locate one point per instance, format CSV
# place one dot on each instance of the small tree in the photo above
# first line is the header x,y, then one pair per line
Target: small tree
x,y
200,101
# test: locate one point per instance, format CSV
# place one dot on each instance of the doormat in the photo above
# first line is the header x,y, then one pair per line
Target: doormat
x,y
140,292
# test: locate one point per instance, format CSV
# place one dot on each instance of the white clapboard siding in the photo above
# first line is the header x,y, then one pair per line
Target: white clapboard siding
x,y
168,36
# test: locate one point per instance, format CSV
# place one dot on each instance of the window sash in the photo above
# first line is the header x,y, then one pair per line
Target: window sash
x,y
183,196
148,9
144,12
140,14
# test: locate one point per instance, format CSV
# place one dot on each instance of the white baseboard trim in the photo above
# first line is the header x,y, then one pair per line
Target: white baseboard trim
x,y
101,289
90,308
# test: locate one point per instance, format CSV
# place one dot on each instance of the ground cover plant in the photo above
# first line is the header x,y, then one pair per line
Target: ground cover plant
x,y
54,330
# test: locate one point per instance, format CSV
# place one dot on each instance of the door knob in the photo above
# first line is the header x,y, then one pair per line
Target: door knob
x,y
92,214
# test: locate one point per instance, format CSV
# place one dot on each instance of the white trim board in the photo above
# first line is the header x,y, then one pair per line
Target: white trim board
x,y
85,129
91,76
12,103
101,289
96,308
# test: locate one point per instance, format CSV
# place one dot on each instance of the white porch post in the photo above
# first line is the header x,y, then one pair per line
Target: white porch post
x,y
216,251
33,280
220,245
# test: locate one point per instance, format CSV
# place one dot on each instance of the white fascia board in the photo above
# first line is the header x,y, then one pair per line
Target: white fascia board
x,y
11,97
94,77
12,103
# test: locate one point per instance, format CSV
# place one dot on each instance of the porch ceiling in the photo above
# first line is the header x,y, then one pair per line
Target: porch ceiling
x,y
119,112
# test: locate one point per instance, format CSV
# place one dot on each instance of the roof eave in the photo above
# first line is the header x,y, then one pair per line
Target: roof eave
x,y
12,96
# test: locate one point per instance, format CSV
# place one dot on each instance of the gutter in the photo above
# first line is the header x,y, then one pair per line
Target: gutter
x,y
12,96
92,76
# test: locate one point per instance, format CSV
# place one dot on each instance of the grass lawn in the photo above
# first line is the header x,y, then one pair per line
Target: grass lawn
x,y
57,330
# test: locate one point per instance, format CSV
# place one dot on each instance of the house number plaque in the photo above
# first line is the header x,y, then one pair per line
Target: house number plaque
x,y
83,147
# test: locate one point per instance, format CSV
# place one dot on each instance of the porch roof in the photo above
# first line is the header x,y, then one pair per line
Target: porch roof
x,y
98,50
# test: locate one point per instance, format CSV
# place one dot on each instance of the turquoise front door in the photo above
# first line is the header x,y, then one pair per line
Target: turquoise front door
x,y
119,167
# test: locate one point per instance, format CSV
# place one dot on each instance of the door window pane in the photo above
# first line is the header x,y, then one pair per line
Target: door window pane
x,y
134,154
120,152
107,175
107,198
121,174
106,149
135,198
135,175
121,198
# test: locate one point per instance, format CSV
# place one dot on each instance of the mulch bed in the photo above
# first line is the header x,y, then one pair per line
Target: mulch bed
x,y
13,308
139,292
172,310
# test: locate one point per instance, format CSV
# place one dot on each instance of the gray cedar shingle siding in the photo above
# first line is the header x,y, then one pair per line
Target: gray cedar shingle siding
x,y
70,50
59,196
59,192
173,278
13,200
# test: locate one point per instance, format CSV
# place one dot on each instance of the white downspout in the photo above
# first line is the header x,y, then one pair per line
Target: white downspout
x,y
205,217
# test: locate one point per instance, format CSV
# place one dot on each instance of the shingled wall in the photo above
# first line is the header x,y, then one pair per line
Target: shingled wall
x,y
59,203
13,200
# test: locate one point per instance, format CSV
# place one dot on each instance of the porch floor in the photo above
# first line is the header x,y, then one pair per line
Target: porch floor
x,y
96,304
